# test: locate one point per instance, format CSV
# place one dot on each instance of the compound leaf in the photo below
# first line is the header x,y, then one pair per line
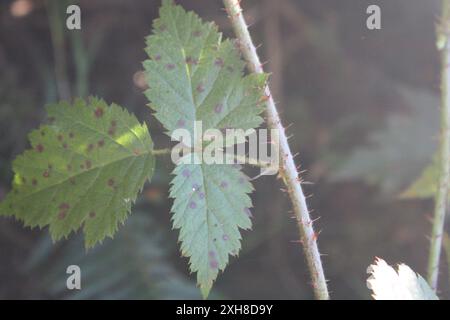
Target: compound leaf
x,y
194,76
84,170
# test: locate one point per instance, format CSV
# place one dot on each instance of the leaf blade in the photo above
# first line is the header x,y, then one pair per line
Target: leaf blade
x,y
198,76
84,170
211,205
195,76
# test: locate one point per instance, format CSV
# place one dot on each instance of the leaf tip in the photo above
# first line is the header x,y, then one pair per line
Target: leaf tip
x,y
205,290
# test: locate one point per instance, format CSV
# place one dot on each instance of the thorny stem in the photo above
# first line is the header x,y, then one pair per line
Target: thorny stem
x,y
288,170
447,253
441,197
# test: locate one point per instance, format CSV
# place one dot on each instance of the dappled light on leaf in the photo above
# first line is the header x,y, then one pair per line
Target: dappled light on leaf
x,y
63,181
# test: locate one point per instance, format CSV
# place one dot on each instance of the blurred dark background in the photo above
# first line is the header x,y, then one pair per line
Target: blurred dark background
x,y
362,108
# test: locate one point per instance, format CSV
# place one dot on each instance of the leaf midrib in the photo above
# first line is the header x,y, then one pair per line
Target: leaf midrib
x,y
50,186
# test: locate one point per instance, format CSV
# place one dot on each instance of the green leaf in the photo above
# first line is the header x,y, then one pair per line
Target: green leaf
x,y
84,170
404,284
394,156
426,185
211,204
195,76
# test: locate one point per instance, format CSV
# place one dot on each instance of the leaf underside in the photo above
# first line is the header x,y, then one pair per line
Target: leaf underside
x,y
404,284
195,76
84,170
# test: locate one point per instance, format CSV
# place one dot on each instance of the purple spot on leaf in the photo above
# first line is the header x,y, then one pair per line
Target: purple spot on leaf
x,y
64,206
200,88
186,173
192,205
98,112
190,60
40,148
218,108
213,264
181,123
219,62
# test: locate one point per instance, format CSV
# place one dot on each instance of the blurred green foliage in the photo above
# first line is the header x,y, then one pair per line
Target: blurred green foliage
x,y
395,155
133,265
